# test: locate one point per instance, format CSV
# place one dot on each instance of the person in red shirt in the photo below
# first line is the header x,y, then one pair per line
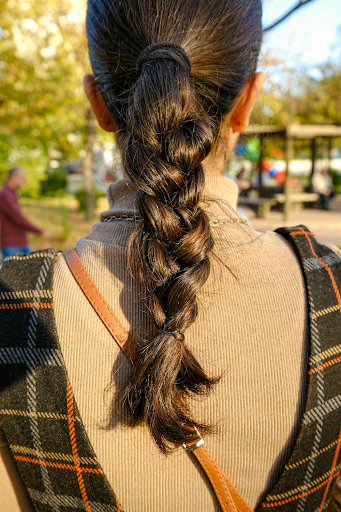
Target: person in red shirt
x,y
14,225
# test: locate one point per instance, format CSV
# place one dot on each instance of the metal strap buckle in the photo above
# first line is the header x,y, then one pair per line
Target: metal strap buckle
x,y
196,445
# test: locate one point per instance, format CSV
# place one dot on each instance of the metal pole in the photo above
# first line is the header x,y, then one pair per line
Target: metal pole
x,y
313,160
289,158
330,147
89,185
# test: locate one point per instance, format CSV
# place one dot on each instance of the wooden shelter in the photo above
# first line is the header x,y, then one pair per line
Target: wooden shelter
x,y
290,134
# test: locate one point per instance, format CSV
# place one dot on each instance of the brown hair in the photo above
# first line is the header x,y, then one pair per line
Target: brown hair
x,y
168,101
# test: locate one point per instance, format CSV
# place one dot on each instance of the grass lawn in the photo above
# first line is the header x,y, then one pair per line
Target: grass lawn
x,y
61,218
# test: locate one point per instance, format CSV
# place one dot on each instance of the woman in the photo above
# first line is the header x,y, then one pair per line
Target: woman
x,y
227,339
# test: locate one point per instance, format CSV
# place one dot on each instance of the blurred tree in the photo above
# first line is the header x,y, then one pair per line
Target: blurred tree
x,y
307,96
269,107
42,105
320,99
54,183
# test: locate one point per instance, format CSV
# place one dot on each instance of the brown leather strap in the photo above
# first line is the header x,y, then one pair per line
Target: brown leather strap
x,y
101,307
228,496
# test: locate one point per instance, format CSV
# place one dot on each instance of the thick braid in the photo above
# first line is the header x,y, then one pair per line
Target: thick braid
x,y
168,110
167,139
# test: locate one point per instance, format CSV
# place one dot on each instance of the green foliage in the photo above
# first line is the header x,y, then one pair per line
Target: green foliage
x,y
42,62
298,94
336,176
321,101
81,198
54,183
65,222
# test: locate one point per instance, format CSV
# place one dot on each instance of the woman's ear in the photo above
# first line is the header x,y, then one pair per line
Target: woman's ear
x,y
97,104
240,115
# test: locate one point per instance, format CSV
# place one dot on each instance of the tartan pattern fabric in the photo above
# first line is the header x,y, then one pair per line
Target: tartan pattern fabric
x,y
46,434
37,408
315,462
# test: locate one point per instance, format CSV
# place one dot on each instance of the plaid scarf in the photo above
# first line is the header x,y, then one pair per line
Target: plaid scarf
x,y
46,434
307,480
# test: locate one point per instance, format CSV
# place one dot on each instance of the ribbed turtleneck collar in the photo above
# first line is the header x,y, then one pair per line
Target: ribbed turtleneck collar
x,y
220,189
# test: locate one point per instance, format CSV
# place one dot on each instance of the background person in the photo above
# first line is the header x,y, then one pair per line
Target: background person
x,y
323,185
13,223
243,181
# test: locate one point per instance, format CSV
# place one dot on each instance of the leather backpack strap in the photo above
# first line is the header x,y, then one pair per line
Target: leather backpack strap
x,y
227,495
101,307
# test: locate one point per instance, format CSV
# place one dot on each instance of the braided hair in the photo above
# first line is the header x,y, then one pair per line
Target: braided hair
x,y
169,71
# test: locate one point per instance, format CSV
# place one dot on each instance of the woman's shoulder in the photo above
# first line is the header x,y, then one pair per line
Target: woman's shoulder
x,y
297,236
289,248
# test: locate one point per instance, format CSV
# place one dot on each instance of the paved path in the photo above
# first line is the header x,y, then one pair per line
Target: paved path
x,y
326,225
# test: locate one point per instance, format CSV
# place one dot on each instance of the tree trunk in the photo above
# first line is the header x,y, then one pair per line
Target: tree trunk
x,y
89,185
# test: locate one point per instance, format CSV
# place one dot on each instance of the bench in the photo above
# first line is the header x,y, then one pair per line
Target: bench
x,y
261,205
298,198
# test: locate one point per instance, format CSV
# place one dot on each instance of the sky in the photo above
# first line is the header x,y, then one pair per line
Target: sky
x,y
307,36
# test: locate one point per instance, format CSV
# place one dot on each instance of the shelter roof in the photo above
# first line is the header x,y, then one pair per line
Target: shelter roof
x,y
296,131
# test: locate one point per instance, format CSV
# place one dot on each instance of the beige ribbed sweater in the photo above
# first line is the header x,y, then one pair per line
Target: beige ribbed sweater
x,y
251,329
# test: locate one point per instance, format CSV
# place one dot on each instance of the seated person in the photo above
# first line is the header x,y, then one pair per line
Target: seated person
x,y
323,185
